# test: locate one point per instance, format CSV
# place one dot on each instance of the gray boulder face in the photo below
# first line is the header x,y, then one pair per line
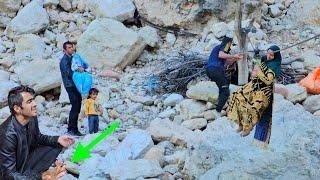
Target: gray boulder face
x,y
30,45
221,152
9,6
46,77
119,46
183,13
119,10
303,12
133,169
33,13
312,103
190,109
173,99
205,91
166,130
5,87
296,93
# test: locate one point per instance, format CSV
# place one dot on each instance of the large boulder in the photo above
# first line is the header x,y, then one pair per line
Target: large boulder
x,y
182,13
304,12
149,35
119,46
136,169
166,130
205,91
190,109
4,75
30,45
296,93
9,6
33,13
116,9
312,103
311,59
5,87
193,124
134,146
173,99
43,75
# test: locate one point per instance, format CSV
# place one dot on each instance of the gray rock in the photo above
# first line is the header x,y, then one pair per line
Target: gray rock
x,y
205,91
66,4
190,109
195,123
173,99
134,146
34,14
30,44
119,10
146,100
275,11
219,29
4,75
9,6
311,59
45,68
171,39
50,3
149,35
165,130
296,93
5,87
168,113
133,108
132,169
312,103
155,154
119,47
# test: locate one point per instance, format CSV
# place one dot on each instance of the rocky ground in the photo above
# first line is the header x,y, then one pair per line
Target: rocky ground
x,y
162,136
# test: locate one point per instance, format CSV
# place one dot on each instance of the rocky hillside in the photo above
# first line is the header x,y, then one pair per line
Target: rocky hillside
x,y
162,136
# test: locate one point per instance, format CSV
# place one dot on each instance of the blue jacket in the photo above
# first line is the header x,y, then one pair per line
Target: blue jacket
x,y
214,60
66,72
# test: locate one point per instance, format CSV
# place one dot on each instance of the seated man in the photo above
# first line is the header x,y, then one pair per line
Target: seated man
x,y
25,153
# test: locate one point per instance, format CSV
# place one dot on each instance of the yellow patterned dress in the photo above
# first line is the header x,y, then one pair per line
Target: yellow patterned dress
x,y
247,104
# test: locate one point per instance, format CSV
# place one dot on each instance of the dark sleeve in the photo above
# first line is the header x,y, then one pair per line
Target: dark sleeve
x,y
45,139
8,160
65,70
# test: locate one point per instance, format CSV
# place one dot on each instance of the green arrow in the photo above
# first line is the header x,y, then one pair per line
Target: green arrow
x,y
82,152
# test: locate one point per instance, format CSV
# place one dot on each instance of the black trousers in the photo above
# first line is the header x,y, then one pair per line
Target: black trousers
x,y
75,100
217,74
41,159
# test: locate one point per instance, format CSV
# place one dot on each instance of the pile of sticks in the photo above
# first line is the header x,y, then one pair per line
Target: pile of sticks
x,y
175,72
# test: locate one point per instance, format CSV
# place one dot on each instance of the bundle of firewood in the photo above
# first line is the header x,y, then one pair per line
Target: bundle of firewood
x,y
175,72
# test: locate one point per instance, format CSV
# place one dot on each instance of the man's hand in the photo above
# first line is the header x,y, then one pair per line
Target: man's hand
x,y
237,57
65,141
55,173
80,69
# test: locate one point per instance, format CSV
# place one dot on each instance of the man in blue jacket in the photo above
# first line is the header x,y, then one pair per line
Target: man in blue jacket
x,y
216,70
74,96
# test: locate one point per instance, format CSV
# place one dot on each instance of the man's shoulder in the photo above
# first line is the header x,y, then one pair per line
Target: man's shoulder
x,y
7,128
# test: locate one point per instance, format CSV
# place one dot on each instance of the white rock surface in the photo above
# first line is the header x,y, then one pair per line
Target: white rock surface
x,y
219,29
312,103
133,169
45,78
173,99
190,109
205,91
119,10
165,130
149,36
5,87
119,47
168,113
193,124
146,100
311,60
30,44
296,93
9,6
34,14
4,75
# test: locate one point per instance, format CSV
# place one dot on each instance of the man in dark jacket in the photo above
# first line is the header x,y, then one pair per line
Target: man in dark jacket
x,y
74,96
25,153
216,70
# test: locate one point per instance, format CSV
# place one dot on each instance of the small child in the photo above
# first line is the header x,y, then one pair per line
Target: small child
x,y
81,78
93,110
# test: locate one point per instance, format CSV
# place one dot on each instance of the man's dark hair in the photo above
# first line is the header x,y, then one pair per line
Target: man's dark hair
x,y
15,96
93,90
226,40
66,43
